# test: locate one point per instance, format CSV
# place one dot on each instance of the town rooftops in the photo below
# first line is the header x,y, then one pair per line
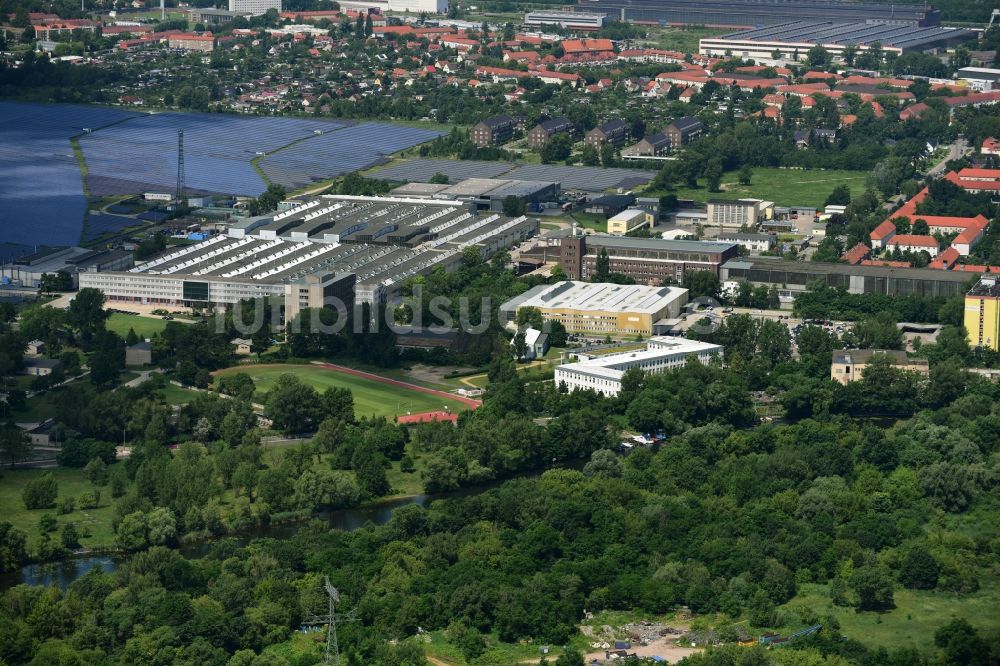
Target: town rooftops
x,y
863,356
626,243
498,121
686,123
611,126
883,230
987,287
914,240
856,254
556,124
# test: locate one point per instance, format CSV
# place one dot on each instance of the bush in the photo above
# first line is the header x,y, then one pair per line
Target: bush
x,y
66,506
47,523
41,493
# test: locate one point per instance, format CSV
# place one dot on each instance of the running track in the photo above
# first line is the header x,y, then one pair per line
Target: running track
x,y
469,402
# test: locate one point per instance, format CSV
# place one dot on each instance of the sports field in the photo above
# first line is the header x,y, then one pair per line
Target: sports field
x,y
373,395
144,326
785,187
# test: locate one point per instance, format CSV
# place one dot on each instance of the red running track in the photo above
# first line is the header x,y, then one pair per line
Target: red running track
x,y
468,402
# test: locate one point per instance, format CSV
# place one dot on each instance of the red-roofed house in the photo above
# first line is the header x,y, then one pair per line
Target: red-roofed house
x,y
803,89
856,254
945,260
914,111
979,174
914,243
588,46
881,234
191,41
821,76
458,43
990,146
558,77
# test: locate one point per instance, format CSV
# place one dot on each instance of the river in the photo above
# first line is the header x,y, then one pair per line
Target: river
x,y
63,572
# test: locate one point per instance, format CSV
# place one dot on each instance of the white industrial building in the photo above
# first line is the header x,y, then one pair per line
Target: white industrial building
x,y
600,308
405,6
355,249
565,20
254,7
604,373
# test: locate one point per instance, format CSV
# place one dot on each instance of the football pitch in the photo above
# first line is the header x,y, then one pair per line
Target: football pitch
x,y
373,395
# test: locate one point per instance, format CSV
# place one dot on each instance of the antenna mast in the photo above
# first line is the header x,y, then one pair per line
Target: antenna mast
x,y
180,166
331,633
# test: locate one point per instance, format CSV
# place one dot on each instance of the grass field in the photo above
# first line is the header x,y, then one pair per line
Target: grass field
x,y
370,397
683,39
144,326
72,483
918,614
782,186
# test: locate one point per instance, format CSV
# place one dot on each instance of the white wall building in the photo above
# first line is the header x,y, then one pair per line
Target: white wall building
x,y
254,7
410,6
604,373
981,79
566,20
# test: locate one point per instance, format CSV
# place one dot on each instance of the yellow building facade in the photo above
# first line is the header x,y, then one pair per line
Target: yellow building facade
x,y
982,314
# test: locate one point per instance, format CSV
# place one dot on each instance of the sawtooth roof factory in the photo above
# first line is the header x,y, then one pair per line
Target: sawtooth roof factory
x,y
749,13
794,39
355,249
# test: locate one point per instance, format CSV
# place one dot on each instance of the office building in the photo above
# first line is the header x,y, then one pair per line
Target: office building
x,y
736,213
27,271
849,364
600,308
750,242
980,79
603,373
649,261
982,313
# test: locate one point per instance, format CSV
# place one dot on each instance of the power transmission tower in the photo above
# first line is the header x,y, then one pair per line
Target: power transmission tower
x,y
180,166
331,633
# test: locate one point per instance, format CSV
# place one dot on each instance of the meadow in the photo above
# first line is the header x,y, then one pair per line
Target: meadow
x,y
785,187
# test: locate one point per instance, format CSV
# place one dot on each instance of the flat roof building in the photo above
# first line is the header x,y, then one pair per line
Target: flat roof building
x,y
603,374
566,20
794,39
791,277
629,220
599,308
748,13
649,261
982,313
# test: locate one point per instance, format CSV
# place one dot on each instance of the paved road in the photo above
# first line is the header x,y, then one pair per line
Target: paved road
x,y
956,150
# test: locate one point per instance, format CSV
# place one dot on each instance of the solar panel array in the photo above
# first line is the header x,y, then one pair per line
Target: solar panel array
x,y
141,154
588,179
349,149
101,223
41,189
422,170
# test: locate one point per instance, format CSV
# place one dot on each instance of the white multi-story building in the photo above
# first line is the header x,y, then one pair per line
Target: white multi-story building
x,y
565,20
254,7
604,373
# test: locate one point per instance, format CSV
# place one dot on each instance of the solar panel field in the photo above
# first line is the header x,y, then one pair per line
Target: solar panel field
x,y
40,183
129,152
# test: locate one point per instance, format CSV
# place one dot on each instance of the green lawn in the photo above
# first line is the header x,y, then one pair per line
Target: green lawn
x,y
370,397
785,187
144,326
177,395
682,38
72,483
916,616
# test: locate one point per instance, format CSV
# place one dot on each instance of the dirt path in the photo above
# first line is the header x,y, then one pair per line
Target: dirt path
x,y
436,661
468,402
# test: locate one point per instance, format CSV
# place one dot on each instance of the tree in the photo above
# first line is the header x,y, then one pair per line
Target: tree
x,y
15,445
919,570
161,526
131,532
69,537
961,643
40,493
570,658
86,312
817,56
558,147
439,179
590,156
131,338
96,471
700,283
713,176
519,347
369,466
872,583
292,405
602,266
513,206
746,175
840,196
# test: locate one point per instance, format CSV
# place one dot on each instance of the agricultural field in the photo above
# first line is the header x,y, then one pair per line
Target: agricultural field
x,y
782,186
371,398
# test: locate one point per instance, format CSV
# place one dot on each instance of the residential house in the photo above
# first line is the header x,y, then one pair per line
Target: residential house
x,y
537,343
546,129
493,131
613,132
40,367
243,346
652,145
849,364
913,243
35,348
684,130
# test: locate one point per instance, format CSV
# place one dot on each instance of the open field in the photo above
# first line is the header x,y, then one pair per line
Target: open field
x,y
918,614
72,483
682,38
371,398
144,326
782,186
